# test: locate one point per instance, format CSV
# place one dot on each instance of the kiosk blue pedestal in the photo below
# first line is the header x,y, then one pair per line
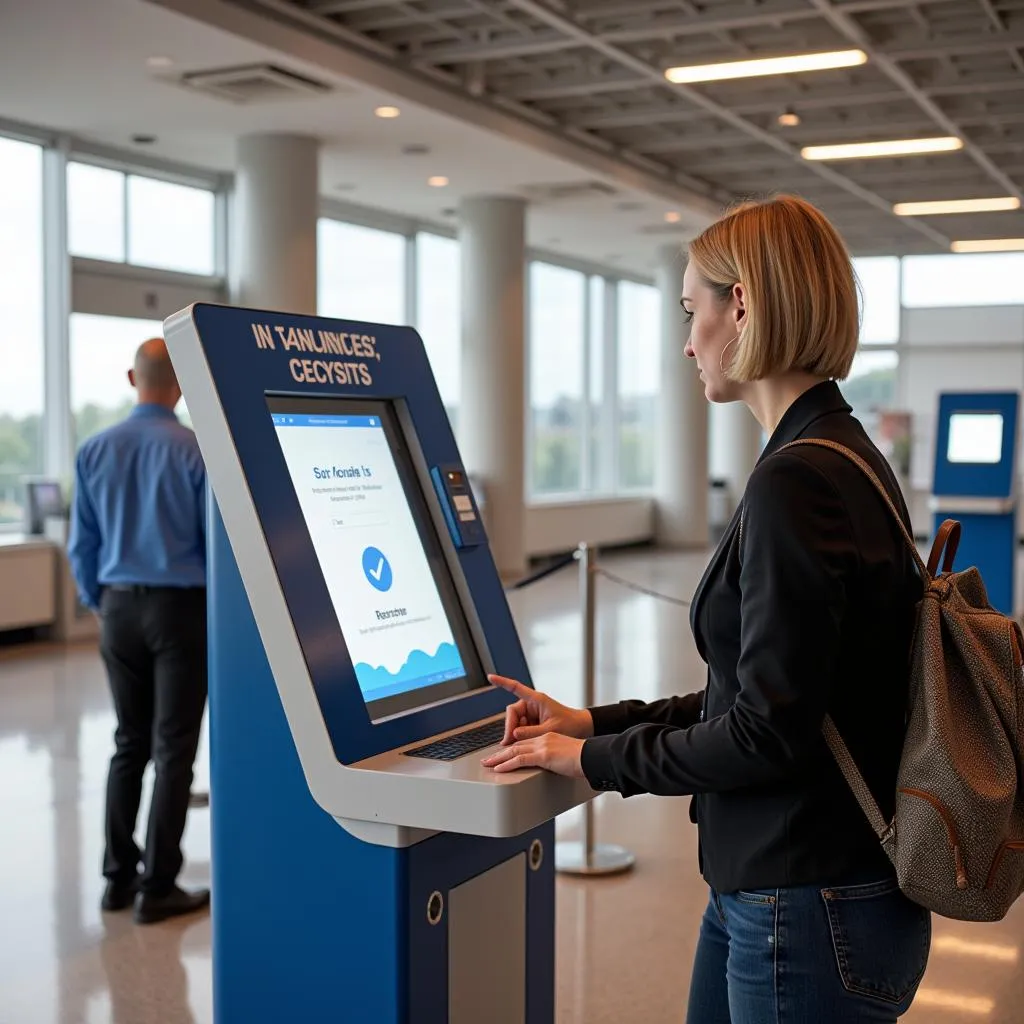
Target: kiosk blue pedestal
x,y
309,923
975,483
363,869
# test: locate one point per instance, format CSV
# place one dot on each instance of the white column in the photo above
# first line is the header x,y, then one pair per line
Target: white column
x,y
492,405
681,482
735,445
273,219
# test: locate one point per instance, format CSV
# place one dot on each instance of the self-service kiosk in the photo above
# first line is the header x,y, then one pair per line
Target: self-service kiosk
x,y
976,482
366,867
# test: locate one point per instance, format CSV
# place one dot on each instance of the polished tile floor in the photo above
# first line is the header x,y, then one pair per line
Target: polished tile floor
x,y
625,944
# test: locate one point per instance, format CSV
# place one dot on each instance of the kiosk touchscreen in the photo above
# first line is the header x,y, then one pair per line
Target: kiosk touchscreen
x,y
379,552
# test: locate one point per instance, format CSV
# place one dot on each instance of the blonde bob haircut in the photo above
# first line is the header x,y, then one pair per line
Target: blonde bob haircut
x,y
800,293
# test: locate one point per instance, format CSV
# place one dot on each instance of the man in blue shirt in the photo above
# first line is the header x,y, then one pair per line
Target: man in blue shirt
x,y
138,553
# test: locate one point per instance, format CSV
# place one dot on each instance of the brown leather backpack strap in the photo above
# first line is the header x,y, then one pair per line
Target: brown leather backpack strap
x,y
853,457
948,540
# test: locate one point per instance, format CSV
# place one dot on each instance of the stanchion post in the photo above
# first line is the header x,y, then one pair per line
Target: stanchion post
x,y
586,857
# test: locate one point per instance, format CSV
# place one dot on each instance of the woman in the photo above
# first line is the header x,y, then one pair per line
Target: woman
x,y
806,609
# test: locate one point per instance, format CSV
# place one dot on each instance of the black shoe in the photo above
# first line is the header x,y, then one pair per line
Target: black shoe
x,y
149,908
119,895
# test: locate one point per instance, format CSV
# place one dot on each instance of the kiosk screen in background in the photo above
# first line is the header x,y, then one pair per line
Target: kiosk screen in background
x,y
975,437
369,548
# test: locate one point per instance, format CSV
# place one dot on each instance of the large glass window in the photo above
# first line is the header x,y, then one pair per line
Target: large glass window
x,y
96,212
638,363
438,316
879,295
170,226
964,279
360,273
871,387
21,316
557,339
102,352
144,221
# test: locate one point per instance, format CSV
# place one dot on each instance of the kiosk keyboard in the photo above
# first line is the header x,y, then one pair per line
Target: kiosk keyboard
x,y
462,743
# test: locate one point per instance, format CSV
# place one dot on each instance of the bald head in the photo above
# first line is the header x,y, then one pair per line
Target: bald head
x,y
153,375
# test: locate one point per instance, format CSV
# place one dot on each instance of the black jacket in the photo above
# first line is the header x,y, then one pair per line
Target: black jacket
x,y
811,612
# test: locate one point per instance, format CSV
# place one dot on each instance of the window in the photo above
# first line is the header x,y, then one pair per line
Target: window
x,y
170,226
639,349
871,386
144,221
102,352
975,279
438,314
360,273
557,339
96,212
21,314
878,278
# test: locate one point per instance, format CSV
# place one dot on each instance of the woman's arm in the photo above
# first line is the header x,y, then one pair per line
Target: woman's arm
x,y
797,553
678,712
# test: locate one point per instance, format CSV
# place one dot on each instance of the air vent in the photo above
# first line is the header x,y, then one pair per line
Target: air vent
x,y
253,83
569,191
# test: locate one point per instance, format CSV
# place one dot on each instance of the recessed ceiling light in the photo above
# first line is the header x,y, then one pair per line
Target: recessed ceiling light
x,y
888,147
143,140
930,209
673,217
789,119
766,66
989,245
437,181
388,113
415,149
159,62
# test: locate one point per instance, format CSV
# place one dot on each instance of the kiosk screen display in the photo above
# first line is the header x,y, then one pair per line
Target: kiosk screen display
x,y
378,550
975,437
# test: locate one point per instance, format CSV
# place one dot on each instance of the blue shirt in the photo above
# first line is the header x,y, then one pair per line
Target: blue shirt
x,y
139,513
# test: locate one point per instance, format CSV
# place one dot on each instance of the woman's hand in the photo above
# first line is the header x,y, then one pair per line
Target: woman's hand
x,y
553,752
535,714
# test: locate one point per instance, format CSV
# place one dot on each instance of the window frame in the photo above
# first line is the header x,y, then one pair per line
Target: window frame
x,y
158,170
43,142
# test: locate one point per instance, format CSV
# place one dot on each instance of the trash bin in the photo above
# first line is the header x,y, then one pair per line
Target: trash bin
x,y
719,509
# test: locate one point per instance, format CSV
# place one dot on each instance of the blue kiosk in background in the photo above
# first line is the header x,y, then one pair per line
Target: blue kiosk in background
x,y
976,483
366,868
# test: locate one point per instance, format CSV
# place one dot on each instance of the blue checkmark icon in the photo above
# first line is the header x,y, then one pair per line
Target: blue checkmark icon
x,y
377,569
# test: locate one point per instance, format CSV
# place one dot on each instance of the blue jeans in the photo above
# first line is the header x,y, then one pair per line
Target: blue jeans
x,y
846,955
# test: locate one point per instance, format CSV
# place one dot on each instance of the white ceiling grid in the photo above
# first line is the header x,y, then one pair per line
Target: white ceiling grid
x,y
595,69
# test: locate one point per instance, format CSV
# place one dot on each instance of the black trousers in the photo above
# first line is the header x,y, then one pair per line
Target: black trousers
x,y
153,642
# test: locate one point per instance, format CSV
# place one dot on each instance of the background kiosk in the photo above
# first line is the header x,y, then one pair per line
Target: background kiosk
x,y
354,612
976,483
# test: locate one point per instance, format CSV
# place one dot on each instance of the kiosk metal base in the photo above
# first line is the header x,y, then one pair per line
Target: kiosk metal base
x,y
602,859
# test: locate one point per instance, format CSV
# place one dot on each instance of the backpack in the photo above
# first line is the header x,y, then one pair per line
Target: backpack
x,y
957,837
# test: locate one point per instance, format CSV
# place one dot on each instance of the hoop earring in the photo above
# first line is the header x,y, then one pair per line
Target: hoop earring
x,y
721,361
